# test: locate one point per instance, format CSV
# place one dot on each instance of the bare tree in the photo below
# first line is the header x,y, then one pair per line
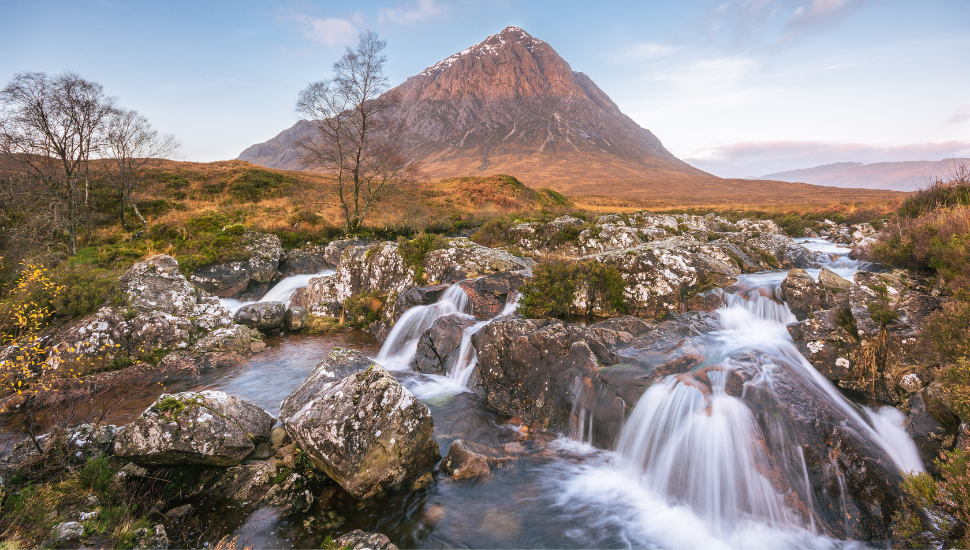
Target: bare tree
x,y
50,127
130,143
354,139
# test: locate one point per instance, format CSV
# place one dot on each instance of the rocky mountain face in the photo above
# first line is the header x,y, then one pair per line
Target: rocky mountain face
x,y
511,104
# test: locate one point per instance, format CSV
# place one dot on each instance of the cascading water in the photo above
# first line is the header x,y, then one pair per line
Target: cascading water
x,y
281,292
691,442
402,342
460,373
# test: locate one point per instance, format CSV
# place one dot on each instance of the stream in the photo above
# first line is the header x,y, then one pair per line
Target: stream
x,y
685,472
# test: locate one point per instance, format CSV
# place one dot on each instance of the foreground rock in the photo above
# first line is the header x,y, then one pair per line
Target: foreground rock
x,y
365,431
209,428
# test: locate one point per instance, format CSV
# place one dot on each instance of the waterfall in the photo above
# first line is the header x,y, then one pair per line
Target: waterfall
x,y
695,444
281,292
461,372
402,342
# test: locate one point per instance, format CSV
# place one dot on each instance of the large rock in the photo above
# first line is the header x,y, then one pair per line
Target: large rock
x,y
365,431
207,427
249,278
662,275
537,369
801,293
163,311
438,347
375,267
262,316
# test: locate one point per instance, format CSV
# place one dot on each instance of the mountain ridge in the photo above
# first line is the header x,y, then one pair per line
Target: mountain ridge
x,y
892,176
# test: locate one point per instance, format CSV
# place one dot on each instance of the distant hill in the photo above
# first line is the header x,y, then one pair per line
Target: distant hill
x,y
895,176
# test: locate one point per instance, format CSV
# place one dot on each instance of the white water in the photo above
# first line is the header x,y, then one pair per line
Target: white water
x,y
402,342
401,345
697,452
281,292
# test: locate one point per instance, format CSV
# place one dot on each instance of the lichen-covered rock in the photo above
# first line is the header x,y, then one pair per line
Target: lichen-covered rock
x,y
801,293
261,316
438,347
249,278
365,431
64,533
362,540
661,275
295,318
784,250
866,354
164,311
375,267
464,259
207,427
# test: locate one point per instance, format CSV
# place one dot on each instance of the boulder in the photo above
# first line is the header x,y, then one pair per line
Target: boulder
x,y
163,311
207,427
439,345
262,316
362,540
295,318
801,293
467,459
249,278
830,279
365,431
536,369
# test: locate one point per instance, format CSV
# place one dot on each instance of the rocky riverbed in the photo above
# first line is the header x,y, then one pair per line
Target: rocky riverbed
x,y
756,392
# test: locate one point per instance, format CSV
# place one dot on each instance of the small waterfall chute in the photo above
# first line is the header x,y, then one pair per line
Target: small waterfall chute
x,y
402,342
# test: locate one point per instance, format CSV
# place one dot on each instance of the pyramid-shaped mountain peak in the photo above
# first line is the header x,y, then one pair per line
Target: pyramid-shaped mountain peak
x,y
511,104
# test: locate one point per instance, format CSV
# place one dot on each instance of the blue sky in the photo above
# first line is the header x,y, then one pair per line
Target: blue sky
x,y
736,87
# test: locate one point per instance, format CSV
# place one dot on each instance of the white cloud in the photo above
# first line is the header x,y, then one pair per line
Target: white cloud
x,y
408,14
645,50
330,31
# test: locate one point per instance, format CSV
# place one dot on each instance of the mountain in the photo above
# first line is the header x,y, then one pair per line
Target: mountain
x,y
511,104
895,176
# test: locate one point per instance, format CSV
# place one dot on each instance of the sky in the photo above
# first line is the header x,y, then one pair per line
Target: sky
x,y
735,87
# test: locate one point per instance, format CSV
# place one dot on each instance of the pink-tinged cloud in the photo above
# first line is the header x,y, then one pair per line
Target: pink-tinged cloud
x,y
752,159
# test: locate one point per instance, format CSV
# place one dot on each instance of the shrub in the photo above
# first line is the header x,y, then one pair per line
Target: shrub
x,y
946,501
555,285
954,191
948,330
416,250
89,289
363,309
495,232
256,184
955,379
